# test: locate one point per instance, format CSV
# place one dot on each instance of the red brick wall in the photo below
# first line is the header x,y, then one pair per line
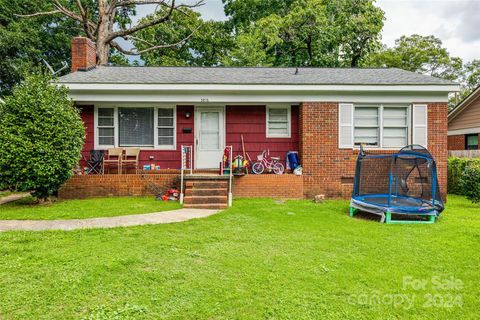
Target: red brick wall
x,y
437,141
456,142
113,185
324,164
328,170
84,54
268,186
249,186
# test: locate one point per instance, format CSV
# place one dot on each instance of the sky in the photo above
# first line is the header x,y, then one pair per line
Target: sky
x,y
455,22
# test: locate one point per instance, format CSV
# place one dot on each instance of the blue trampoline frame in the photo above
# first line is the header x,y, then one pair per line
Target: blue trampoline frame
x,y
386,204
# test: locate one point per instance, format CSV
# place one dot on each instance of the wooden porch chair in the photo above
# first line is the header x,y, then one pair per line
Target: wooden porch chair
x,y
113,158
131,159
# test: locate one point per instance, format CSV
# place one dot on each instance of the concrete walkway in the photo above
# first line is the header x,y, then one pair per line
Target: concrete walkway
x,y
13,197
110,222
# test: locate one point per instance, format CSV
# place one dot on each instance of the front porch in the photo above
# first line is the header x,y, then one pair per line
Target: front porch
x,y
287,186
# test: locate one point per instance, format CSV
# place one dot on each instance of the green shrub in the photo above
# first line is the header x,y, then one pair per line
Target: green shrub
x,y
470,181
41,137
456,168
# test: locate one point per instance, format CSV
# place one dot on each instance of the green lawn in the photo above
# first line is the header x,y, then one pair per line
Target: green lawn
x,y
258,260
80,209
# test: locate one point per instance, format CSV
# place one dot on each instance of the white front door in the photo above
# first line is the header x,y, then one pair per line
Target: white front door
x,y
209,137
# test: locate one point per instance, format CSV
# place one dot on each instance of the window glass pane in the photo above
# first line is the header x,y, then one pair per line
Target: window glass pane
x,y
106,136
394,137
210,121
167,113
278,121
209,141
105,122
278,114
165,122
366,116
368,136
165,141
395,116
135,126
105,112
279,125
106,141
472,142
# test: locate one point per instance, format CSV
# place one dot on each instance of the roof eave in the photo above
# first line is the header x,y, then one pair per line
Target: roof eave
x,y
464,104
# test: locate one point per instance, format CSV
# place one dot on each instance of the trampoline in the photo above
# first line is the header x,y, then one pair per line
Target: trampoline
x,y
402,184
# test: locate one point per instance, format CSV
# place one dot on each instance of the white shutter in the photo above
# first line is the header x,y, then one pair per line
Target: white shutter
x,y
345,126
420,118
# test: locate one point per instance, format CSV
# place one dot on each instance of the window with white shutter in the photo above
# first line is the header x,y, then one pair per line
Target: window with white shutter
x,y
345,126
420,129
380,126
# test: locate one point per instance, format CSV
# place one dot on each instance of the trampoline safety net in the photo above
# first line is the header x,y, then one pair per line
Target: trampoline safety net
x,y
404,180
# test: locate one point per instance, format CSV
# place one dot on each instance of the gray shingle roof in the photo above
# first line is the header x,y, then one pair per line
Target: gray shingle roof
x,y
247,75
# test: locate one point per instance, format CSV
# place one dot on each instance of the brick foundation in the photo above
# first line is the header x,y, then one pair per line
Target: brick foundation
x,y
113,185
268,186
108,185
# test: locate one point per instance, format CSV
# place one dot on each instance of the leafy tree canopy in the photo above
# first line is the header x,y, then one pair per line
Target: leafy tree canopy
x,y
424,54
207,42
310,33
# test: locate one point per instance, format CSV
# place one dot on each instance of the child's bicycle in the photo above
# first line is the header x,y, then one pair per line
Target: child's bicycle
x,y
269,163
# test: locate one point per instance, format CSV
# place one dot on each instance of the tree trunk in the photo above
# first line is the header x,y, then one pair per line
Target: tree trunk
x,y
105,28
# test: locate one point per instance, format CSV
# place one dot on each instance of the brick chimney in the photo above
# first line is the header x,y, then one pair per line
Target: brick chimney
x,y
84,54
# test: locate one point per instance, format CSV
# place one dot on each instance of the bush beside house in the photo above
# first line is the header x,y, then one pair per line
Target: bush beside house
x,y
464,177
41,137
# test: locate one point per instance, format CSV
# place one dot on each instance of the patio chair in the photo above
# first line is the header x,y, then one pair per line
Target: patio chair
x,y
95,161
113,158
131,158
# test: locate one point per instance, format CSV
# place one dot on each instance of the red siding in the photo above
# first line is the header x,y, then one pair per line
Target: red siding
x,y
247,120
167,159
251,122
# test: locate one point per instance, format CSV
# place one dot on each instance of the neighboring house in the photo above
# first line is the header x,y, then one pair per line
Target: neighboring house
x,y
323,113
464,123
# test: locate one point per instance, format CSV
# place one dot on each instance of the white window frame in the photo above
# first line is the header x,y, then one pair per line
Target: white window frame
x,y
166,147
156,146
381,125
289,121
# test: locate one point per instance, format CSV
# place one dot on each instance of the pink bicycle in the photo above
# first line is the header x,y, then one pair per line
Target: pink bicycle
x,y
269,163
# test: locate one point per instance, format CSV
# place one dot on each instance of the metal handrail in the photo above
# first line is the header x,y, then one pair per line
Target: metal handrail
x,y
186,151
230,177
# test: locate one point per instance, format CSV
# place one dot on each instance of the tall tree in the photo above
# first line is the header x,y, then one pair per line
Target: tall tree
x,y
311,33
24,43
424,54
105,21
207,48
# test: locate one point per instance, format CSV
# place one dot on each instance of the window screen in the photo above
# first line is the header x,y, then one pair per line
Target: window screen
x,y
106,126
135,126
395,126
367,125
166,127
278,122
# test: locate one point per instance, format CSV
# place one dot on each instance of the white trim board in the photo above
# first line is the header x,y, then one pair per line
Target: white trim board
x,y
463,131
209,98
259,87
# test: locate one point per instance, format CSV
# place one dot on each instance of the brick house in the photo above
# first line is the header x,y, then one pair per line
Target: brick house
x,y
323,113
464,123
